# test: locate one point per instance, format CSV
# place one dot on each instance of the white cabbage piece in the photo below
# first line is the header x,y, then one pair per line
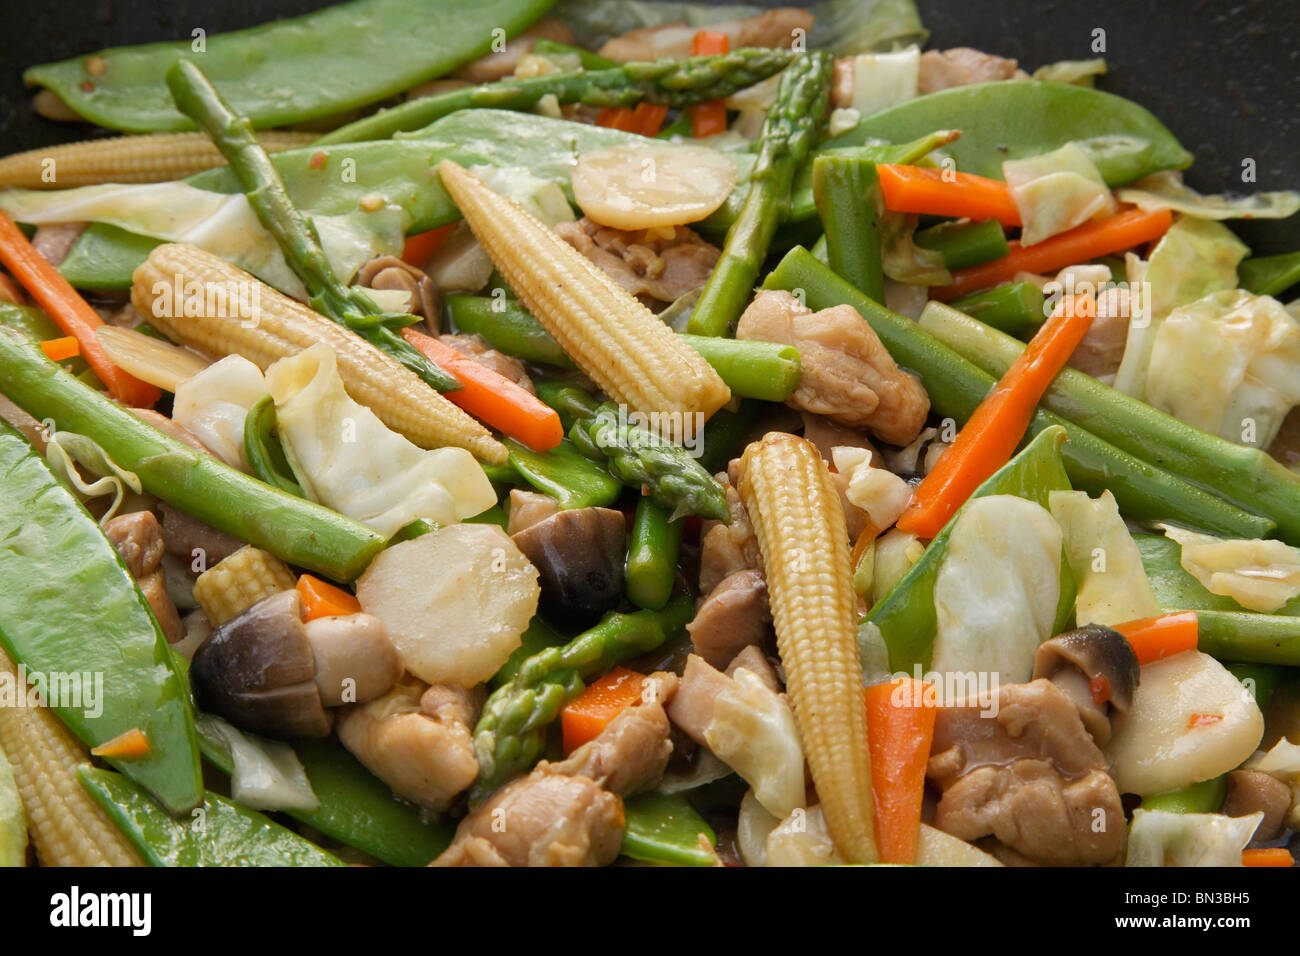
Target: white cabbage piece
x,y
1161,838
542,197
1166,190
1194,258
753,826
1190,720
1056,191
902,259
1259,574
753,732
267,774
802,839
896,552
1228,363
223,224
874,654
934,847
882,80
996,592
877,491
64,451
1112,584
346,458
212,405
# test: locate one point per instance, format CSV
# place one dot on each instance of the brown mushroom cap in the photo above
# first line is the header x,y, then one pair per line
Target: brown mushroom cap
x,y
259,672
579,555
392,273
1089,662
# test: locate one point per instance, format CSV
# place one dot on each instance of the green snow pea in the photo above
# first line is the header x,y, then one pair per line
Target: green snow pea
x,y
1204,797
1013,119
666,829
71,611
222,833
566,474
965,243
356,807
906,616
1260,679
1269,275
290,71
506,326
262,447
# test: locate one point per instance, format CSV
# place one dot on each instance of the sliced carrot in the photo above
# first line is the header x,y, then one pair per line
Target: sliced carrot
x,y
70,312
56,350
900,730
1155,637
649,118
1123,231
945,192
1267,856
618,117
989,438
322,599
492,397
709,119
131,745
418,248
584,717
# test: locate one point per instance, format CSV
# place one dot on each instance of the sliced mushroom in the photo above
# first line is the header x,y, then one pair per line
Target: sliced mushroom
x,y
1250,791
355,660
1096,668
259,672
391,274
579,558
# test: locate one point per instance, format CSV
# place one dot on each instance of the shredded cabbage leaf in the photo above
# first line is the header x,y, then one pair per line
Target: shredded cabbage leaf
x,y
267,774
753,732
1260,575
902,259
346,458
882,80
1056,191
997,590
1166,190
65,450
1111,581
213,404
1161,838
1074,72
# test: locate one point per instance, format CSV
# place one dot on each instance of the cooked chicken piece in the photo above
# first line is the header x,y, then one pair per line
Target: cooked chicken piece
x,y
733,617
1031,776
754,660
1252,790
391,274
630,754
774,28
543,819
30,428
826,434
1286,446
504,365
848,374
1102,347
55,241
190,539
527,508
643,262
502,63
727,548
416,739
962,66
139,540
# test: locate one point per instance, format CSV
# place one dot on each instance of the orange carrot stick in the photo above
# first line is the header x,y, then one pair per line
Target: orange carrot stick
x,y
1123,231
618,117
1155,637
945,192
131,745
70,312
649,118
56,350
709,119
418,248
492,397
322,599
995,428
900,730
1267,856
584,717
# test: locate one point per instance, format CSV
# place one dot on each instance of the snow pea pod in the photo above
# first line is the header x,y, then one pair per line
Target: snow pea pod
x,y
1269,275
290,71
566,474
222,834
666,830
1013,119
1204,797
71,612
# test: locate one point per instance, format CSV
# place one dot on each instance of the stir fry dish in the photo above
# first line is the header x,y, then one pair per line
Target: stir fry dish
x,y
524,433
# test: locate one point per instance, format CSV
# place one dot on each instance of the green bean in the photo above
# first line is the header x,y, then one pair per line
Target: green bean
x,y
965,243
565,474
1204,797
652,556
764,370
1015,308
847,193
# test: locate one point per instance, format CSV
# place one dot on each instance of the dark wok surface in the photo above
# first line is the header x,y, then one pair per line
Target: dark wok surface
x,y
1225,77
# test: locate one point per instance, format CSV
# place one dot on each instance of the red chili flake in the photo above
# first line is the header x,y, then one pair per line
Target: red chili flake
x,y
318,159
1100,688
87,86
1201,720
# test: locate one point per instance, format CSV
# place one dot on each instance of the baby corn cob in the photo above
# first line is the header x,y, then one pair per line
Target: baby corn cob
x,y
253,320
801,533
232,586
66,826
633,356
154,158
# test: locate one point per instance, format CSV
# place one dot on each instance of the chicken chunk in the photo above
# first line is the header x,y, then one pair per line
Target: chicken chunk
x,y
773,28
733,617
727,548
416,739
189,539
1286,446
1101,349
1030,776
826,435
962,66
848,374
504,365
643,262
527,508
139,540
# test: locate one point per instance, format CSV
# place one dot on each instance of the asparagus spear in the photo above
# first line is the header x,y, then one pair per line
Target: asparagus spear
x,y
510,733
294,231
787,137
666,82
